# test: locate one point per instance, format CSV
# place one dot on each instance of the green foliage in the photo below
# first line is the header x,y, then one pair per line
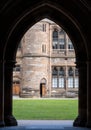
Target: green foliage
x,y
46,109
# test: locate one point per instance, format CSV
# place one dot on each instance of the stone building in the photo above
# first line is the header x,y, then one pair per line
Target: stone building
x,y
45,63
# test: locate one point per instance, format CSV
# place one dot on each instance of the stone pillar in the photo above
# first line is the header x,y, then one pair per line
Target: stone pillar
x,y
1,93
89,94
81,120
73,77
8,117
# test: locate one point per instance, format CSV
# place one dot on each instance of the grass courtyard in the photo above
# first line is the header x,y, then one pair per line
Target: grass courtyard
x,y
45,109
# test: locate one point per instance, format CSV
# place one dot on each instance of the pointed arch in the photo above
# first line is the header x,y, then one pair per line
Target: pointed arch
x,y
46,10
65,14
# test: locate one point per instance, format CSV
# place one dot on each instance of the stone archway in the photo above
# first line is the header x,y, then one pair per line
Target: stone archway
x,y
65,15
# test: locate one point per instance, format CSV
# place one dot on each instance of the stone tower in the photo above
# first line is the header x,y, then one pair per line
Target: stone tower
x,y
35,59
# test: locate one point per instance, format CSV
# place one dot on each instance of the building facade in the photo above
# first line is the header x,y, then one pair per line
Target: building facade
x,y
45,63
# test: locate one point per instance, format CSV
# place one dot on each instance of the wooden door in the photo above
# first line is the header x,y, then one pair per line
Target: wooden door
x,y
16,89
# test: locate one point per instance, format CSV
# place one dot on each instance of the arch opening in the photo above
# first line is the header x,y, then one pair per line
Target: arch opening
x,y
31,52
44,48
22,24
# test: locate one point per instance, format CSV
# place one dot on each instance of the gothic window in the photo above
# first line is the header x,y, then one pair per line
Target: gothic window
x,y
55,39
58,39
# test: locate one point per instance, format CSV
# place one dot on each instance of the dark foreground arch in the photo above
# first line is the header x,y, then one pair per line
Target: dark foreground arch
x,y
17,17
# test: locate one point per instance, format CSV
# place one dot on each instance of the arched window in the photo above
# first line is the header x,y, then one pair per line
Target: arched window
x,y
58,39
55,39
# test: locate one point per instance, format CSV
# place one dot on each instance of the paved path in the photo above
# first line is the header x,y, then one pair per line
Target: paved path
x,y
44,125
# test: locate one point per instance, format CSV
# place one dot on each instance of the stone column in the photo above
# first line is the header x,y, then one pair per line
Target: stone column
x,y
1,93
81,120
88,94
8,117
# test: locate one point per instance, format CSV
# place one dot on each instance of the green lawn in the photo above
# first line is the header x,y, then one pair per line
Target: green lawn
x,y
33,109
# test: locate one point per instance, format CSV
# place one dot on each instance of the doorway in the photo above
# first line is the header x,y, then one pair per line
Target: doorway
x,y
43,90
